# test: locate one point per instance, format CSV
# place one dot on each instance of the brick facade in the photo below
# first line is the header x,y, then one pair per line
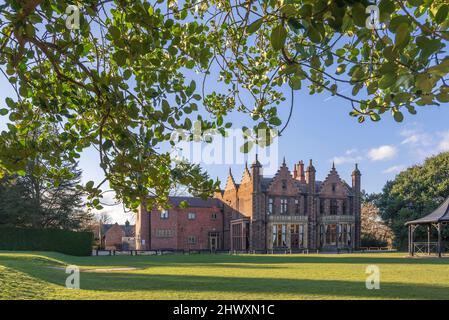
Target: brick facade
x,y
198,227
113,237
291,210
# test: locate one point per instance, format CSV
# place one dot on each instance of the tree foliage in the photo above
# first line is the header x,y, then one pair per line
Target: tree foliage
x,y
414,193
374,230
38,200
119,84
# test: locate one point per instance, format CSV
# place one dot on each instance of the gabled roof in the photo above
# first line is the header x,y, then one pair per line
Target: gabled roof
x,y
441,214
266,181
128,229
230,182
196,202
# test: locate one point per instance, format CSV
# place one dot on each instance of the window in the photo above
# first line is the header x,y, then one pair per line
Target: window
x,y
334,207
279,235
213,216
237,236
191,240
344,207
284,184
191,216
297,206
164,233
270,205
284,206
334,187
297,235
322,203
347,232
164,214
322,235
331,234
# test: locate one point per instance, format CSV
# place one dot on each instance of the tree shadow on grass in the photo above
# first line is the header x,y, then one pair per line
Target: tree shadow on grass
x,y
266,287
229,261
252,261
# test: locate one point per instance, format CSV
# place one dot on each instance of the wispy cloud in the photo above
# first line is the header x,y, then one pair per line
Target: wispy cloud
x,y
383,153
394,169
443,144
416,137
350,156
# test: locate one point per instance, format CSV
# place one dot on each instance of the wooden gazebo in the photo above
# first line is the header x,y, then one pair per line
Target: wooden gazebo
x,y
436,219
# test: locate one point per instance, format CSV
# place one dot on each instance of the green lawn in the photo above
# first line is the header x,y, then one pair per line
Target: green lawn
x,y
40,276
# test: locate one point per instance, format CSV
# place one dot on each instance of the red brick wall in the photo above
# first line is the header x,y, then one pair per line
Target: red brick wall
x,y
113,237
180,228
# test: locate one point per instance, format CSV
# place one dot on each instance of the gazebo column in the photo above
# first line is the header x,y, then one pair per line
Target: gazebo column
x,y
428,238
412,245
409,240
439,239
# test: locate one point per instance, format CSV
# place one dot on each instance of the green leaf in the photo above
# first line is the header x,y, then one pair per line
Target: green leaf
x,y
107,144
115,32
398,115
120,57
90,185
359,15
183,204
375,117
402,36
278,37
191,88
442,14
341,68
253,27
443,97
3,112
314,34
387,81
275,121
127,74
295,83
246,147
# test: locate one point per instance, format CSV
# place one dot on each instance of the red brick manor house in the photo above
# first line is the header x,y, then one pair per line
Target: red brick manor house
x,y
288,211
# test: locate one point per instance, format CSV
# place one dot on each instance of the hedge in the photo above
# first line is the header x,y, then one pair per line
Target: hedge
x,y
63,241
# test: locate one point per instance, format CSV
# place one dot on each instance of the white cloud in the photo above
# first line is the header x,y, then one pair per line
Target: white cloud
x,y
350,156
394,169
382,153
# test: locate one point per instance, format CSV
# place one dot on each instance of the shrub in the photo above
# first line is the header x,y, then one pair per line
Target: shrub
x,y
63,241
371,241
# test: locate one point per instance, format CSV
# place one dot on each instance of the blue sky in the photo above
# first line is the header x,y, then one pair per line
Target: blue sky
x,y
321,129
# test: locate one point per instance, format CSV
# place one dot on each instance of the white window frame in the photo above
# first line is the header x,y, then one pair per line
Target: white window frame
x,y
191,216
164,214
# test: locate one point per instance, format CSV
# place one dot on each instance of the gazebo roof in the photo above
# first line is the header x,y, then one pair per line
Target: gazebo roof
x,y
441,214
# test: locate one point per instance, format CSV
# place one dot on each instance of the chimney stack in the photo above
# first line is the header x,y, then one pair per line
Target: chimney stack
x,y
298,171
